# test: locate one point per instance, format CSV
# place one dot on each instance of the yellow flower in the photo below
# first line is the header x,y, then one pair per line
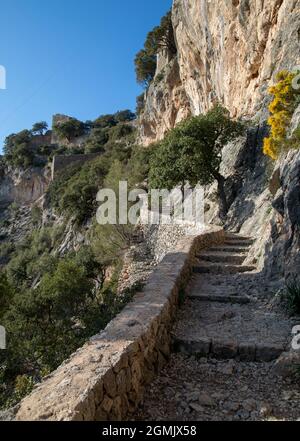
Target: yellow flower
x,y
281,109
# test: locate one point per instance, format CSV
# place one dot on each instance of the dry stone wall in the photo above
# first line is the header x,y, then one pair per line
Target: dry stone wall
x,y
105,379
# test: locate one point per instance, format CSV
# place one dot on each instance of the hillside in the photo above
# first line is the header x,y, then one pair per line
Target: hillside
x,y
228,67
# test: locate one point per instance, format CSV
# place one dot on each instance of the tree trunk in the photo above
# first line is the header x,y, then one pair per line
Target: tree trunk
x,y
223,206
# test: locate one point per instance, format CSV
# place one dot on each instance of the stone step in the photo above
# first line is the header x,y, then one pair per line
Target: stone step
x,y
210,256
221,268
230,249
242,331
225,349
239,242
220,298
237,236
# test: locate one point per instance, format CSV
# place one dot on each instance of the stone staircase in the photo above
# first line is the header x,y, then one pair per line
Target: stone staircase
x,y
225,340
220,319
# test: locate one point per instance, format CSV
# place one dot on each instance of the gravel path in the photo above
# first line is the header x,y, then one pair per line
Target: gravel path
x,y
200,390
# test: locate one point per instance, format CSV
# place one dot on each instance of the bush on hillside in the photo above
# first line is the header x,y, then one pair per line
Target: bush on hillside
x,y
124,116
285,100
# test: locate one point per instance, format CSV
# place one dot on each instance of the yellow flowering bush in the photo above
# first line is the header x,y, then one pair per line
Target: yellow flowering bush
x,y
281,108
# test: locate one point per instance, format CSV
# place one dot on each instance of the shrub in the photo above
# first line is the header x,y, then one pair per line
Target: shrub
x,y
23,386
124,116
140,104
292,297
105,121
120,131
6,293
284,103
74,193
36,215
97,140
6,249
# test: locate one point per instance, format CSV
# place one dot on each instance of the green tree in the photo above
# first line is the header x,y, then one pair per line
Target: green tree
x,y
161,37
6,293
97,140
140,104
145,67
18,150
192,152
69,129
120,131
105,121
124,116
39,128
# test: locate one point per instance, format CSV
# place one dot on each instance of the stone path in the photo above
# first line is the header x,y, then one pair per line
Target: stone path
x,y
226,338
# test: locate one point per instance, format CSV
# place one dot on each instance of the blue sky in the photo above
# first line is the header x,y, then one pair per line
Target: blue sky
x,y
70,56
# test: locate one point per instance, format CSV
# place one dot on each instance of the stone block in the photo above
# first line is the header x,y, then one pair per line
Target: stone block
x,y
224,350
268,353
107,404
201,347
109,382
121,382
247,351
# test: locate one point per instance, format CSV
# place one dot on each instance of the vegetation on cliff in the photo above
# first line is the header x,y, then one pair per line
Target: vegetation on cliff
x,y
51,302
33,148
161,37
286,97
192,152
69,129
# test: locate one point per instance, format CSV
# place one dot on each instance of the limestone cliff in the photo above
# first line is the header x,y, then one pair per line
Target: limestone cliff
x,y
23,186
228,51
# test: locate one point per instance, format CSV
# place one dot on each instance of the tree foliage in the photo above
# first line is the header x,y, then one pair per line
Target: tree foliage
x,y
145,67
69,129
192,152
285,100
18,150
161,37
123,116
6,293
39,128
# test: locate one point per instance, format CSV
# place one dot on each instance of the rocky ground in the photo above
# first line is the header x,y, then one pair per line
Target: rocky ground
x,y
228,335
216,390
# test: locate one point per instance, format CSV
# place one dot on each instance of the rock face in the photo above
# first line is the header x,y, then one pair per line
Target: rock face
x,y
23,186
166,104
264,200
228,51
